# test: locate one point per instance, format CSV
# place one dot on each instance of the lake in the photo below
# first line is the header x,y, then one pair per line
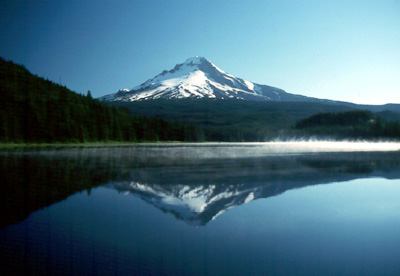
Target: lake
x,y
202,209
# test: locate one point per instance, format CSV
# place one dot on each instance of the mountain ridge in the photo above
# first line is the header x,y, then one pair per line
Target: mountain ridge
x,y
197,77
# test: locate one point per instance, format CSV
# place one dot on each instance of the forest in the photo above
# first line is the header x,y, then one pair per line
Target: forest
x,y
36,110
231,120
249,121
356,124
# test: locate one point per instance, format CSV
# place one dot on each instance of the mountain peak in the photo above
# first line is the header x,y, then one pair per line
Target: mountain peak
x,y
196,60
197,77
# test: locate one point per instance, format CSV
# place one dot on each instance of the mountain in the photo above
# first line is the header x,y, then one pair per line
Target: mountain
x,y
197,92
199,78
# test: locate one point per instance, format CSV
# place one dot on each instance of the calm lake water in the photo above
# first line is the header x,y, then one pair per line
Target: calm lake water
x,y
211,209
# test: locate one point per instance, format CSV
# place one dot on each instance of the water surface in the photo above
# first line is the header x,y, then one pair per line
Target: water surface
x,y
209,210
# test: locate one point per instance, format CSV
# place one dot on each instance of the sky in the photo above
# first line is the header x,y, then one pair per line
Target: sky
x,y
341,50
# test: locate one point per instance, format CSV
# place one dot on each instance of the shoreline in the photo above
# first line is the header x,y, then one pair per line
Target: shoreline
x,y
315,144
80,145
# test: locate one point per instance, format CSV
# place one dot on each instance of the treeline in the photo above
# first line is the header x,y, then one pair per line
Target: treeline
x,y
353,124
33,109
231,120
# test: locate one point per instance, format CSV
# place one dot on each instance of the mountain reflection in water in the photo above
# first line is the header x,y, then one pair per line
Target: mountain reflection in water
x,y
177,180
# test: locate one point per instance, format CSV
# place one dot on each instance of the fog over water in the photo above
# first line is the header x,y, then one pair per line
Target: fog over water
x,y
242,150
163,153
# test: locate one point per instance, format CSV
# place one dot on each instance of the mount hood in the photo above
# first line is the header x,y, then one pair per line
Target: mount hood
x,y
199,78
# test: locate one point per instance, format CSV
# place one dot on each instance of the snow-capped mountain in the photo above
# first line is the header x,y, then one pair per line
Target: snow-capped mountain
x,y
197,77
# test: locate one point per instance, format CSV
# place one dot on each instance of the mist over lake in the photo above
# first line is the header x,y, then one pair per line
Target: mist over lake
x,y
202,209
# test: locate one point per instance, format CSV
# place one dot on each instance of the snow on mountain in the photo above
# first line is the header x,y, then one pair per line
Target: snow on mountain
x,y
199,78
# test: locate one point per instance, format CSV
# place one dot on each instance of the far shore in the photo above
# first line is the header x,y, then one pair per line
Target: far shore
x,y
312,144
77,145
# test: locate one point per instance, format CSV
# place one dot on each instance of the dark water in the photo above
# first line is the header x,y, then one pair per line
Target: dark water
x,y
188,211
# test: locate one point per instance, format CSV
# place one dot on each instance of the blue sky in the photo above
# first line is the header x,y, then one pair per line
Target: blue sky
x,y
342,50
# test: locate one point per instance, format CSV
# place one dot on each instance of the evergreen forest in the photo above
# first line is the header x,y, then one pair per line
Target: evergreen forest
x,y
36,110
237,121
356,124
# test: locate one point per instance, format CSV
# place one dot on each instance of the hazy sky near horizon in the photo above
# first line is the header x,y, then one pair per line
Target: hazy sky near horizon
x,y
341,50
